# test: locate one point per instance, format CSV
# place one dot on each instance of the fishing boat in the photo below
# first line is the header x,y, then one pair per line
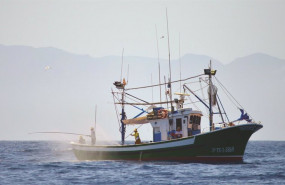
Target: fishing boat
x,y
177,133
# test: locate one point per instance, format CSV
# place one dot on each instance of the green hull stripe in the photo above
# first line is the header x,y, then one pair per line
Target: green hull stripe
x,y
225,144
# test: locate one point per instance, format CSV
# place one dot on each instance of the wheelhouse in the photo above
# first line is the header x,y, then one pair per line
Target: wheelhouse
x,y
181,123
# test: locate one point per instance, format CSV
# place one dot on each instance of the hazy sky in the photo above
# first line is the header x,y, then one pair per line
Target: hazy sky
x,y
221,29
224,30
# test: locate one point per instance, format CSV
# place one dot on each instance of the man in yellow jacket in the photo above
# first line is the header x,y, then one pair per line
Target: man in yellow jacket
x,y
137,137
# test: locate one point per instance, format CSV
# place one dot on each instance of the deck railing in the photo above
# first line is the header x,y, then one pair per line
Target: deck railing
x,y
208,129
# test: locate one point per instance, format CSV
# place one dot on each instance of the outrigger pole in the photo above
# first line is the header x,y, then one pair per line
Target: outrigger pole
x,y
68,133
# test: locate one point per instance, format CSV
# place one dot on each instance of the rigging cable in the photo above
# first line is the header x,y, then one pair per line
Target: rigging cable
x,y
192,82
200,82
192,102
195,102
225,89
136,98
229,93
117,112
202,92
223,107
116,109
135,101
163,83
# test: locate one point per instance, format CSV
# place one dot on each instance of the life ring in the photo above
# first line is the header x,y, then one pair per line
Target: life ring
x,y
163,113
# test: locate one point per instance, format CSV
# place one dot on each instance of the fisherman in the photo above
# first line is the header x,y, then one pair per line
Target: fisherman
x,y
178,133
137,137
93,138
82,140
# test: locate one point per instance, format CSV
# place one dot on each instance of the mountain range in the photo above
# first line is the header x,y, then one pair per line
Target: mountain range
x,y
48,89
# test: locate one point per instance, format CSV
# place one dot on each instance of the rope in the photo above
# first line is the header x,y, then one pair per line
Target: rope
x,y
116,110
163,83
154,103
136,97
225,89
135,101
228,96
201,90
223,108
191,82
203,95
178,89
194,103
231,96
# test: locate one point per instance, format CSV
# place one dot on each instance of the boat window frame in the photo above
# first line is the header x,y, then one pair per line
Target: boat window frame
x,y
176,125
194,122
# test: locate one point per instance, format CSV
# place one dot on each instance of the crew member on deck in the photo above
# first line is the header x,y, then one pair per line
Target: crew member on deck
x,y
137,137
178,133
93,138
81,140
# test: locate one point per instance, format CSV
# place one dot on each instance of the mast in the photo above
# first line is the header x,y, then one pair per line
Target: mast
x,y
210,97
210,73
158,62
123,126
170,88
121,86
180,62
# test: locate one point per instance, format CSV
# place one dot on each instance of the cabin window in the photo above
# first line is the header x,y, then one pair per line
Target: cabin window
x,y
156,129
194,122
179,123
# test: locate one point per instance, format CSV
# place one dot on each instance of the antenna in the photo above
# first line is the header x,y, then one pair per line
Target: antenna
x,y
159,82
170,93
128,75
180,62
95,117
151,87
158,63
122,65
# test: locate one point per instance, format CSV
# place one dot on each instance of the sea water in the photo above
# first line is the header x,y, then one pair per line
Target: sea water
x,y
50,162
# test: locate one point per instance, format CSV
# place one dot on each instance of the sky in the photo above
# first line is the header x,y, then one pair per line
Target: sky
x,y
222,29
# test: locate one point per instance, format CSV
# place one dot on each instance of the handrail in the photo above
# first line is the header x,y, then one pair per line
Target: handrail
x,y
227,125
